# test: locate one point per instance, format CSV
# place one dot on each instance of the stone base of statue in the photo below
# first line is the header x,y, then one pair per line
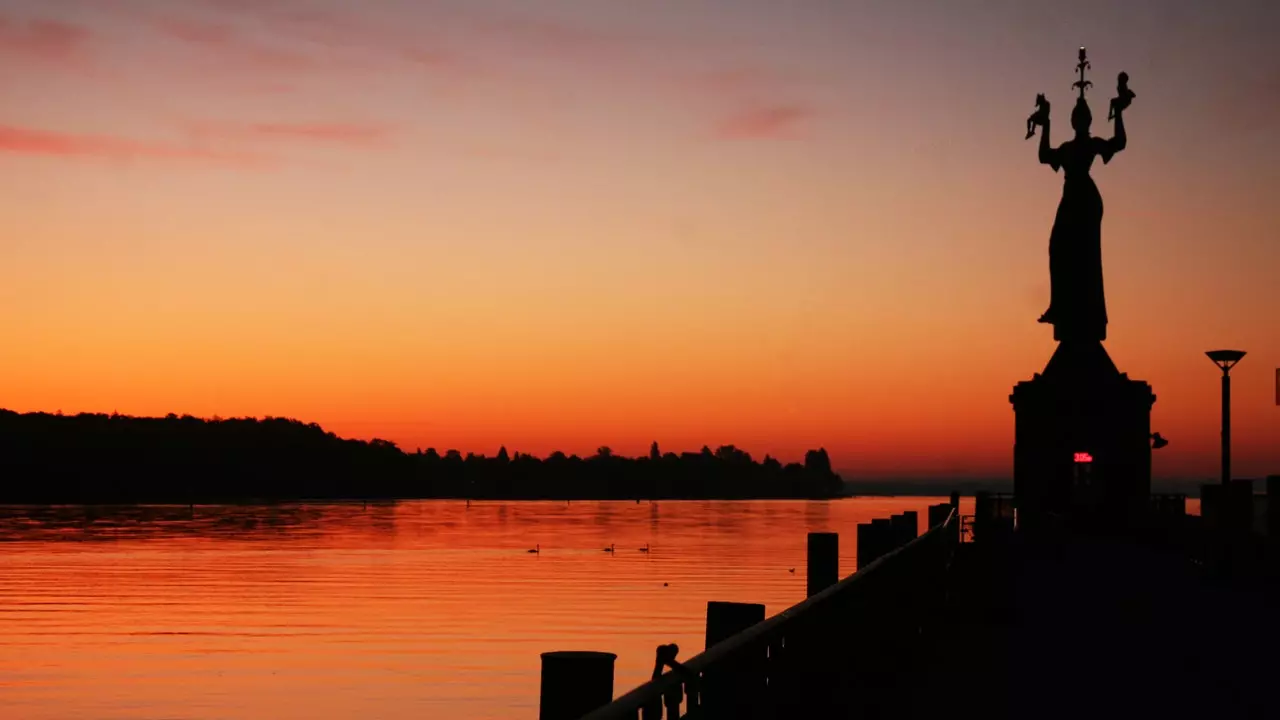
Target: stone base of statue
x,y
1082,445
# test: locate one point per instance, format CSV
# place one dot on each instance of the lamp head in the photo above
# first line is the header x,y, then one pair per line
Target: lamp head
x,y
1225,359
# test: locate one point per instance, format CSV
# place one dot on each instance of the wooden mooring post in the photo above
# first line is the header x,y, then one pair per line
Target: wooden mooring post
x,y
726,619
733,689
874,539
905,527
574,683
866,546
938,514
823,562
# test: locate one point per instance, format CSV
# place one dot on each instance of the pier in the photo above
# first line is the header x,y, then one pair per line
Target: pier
x,y
845,648
1170,615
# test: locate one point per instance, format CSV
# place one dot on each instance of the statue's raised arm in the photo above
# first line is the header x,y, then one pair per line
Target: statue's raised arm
x,y
1048,154
1041,117
1124,96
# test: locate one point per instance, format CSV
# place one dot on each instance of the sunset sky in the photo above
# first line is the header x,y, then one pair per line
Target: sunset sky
x,y
560,224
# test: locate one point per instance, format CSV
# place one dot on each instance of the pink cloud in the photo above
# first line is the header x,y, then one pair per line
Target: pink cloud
x,y
341,133
232,46
428,57
337,133
553,38
734,82
764,122
45,40
32,141
200,33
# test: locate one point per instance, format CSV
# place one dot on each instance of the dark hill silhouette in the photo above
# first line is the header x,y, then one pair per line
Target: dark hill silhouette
x,y
94,458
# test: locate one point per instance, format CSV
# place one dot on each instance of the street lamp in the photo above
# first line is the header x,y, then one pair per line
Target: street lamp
x,y
1226,359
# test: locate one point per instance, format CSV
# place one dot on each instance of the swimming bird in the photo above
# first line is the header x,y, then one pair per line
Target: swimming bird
x,y
609,549
535,550
645,549
792,571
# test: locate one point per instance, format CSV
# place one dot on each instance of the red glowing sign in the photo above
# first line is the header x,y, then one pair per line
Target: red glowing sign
x,y
1084,457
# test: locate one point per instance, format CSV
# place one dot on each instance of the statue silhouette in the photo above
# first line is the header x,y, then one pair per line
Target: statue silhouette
x,y
1077,305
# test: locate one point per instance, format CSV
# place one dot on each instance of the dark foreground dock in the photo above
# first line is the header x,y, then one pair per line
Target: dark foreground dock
x,y
1175,619
1086,626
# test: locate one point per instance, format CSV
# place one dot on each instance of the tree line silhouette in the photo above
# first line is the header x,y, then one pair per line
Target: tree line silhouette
x,y
98,458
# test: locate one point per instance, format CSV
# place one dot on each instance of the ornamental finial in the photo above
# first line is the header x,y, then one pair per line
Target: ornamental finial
x,y
1081,66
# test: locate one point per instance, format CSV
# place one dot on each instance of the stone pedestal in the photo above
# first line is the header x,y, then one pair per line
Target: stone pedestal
x,y
1081,404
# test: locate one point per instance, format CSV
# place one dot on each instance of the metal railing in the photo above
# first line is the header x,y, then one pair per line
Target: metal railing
x,y
829,653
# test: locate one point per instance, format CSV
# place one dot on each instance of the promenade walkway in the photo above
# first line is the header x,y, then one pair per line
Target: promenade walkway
x,y
1085,627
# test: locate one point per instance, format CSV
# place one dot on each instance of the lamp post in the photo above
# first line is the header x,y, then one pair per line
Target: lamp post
x,y
1225,360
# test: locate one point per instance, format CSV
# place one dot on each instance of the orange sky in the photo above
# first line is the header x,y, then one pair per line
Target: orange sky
x,y
559,226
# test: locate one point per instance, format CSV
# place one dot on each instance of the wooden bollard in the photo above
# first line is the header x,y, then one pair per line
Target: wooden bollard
x,y
574,683
866,546
726,619
823,561
873,541
895,532
905,527
731,689
938,514
882,532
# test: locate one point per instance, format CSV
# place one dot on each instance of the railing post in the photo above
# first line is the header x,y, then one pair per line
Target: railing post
x,y
733,689
823,562
574,683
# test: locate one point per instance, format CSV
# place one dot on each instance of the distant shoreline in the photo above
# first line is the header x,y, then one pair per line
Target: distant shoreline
x,y
91,459
479,501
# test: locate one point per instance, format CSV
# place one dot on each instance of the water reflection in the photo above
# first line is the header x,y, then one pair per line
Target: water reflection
x,y
392,610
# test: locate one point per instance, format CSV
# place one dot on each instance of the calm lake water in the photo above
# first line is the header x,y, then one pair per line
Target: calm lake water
x,y
424,609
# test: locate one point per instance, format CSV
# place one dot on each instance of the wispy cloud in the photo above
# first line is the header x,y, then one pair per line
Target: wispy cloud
x,y
197,32
292,46
770,121
44,40
336,133
35,141
330,132
234,49
562,40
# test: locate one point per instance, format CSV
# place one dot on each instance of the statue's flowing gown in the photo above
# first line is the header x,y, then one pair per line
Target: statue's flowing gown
x,y
1077,306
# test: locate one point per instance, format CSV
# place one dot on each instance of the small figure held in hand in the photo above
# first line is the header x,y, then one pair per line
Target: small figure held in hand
x,y
1039,117
1124,96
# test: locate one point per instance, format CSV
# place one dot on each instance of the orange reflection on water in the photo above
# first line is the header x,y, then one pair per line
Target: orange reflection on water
x,y
410,610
